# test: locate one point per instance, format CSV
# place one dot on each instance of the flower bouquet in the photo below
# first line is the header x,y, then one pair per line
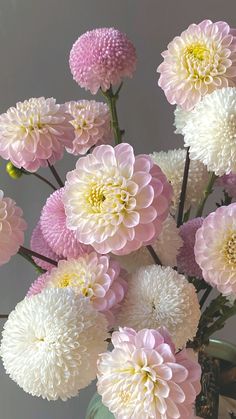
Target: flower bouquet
x,y
123,249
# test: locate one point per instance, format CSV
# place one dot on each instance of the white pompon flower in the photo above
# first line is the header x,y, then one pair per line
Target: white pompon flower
x,y
210,131
172,164
181,118
92,125
51,343
166,246
159,296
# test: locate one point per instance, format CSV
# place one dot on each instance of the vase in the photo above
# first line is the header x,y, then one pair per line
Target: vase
x,y
218,361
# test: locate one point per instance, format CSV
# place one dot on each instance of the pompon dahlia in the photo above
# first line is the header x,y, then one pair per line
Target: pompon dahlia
x,y
38,244
34,132
228,183
181,118
92,125
143,378
197,62
172,164
101,58
215,249
115,201
168,299
93,276
186,261
210,131
12,227
51,343
53,226
166,246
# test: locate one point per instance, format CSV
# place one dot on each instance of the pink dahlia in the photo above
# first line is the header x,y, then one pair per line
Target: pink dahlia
x,y
215,249
92,125
59,238
34,132
12,227
115,201
38,244
186,258
228,183
101,58
200,60
93,276
144,378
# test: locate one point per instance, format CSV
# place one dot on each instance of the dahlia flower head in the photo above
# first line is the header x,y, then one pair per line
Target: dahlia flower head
x,y
94,276
172,164
168,299
186,261
92,125
51,342
58,237
144,378
166,246
210,131
215,249
12,227
39,245
101,58
34,133
115,201
199,61
228,183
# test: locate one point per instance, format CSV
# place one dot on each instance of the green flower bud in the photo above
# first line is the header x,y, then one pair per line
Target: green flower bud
x,y
14,172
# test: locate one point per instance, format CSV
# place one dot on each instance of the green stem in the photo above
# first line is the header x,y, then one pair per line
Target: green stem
x,y
31,261
29,253
3,316
205,296
183,190
56,175
219,323
207,192
111,101
154,255
44,180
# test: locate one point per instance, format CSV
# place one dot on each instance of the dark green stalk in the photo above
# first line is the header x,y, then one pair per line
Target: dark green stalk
x,y
207,192
29,253
111,99
56,175
154,255
183,190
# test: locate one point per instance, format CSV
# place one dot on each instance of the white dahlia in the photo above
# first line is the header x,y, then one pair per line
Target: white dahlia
x,y
181,118
172,164
159,296
51,343
210,131
166,247
92,125
34,133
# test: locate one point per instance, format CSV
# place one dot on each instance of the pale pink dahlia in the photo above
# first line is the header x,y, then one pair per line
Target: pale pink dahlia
x,y
12,227
53,226
92,125
186,258
228,183
38,244
101,58
34,132
93,276
215,249
144,378
200,60
115,201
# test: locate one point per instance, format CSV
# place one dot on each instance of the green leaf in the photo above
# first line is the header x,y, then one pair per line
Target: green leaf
x,y
97,410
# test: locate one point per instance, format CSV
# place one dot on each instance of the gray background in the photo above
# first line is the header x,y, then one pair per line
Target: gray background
x,y
35,40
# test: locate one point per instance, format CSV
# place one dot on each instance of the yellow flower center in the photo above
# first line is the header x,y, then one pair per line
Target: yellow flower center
x,y
74,279
196,51
229,250
125,397
96,197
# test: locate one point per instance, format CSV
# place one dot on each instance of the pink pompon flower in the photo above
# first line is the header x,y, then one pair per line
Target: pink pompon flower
x,y
93,276
228,183
215,249
101,58
200,60
53,226
34,133
186,258
144,378
38,244
115,201
12,227
92,125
